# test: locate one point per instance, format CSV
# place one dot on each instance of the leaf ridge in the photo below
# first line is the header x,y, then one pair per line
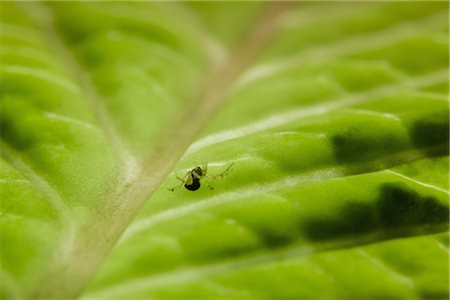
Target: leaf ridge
x,y
188,274
427,185
350,45
41,74
63,211
404,280
69,120
305,112
43,16
440,246
242,193
39,182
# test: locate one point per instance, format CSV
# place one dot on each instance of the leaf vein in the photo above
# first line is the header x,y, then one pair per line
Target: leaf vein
x,y
315,110
242,193
350,45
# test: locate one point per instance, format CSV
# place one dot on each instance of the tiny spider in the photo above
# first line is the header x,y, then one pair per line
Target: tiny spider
x,y
192,179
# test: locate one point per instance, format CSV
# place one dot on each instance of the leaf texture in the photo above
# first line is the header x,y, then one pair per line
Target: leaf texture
x,y
332,118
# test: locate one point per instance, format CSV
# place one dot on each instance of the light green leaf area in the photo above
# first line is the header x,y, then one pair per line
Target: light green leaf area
x,y
323,128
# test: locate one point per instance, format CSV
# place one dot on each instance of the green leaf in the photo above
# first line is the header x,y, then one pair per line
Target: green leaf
x,y
323,129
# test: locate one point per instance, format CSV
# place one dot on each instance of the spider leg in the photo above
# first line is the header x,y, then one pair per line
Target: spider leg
x,y
209,186
196,175
175,187
183,181
224,173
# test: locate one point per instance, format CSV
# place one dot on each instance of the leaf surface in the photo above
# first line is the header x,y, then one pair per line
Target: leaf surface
x,y
331,118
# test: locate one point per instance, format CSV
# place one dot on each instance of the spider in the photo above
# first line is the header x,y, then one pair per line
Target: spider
x,y
192,179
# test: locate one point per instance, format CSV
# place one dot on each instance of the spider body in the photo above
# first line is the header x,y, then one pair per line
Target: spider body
x,y
193,178
192,183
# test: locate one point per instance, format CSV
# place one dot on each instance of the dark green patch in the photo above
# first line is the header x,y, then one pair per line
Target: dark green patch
x,y
13,135
400,206
220,253
275,239
356,218
15,118
23,125
92,58
397,207
431,131
434,295
272,237
363,142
